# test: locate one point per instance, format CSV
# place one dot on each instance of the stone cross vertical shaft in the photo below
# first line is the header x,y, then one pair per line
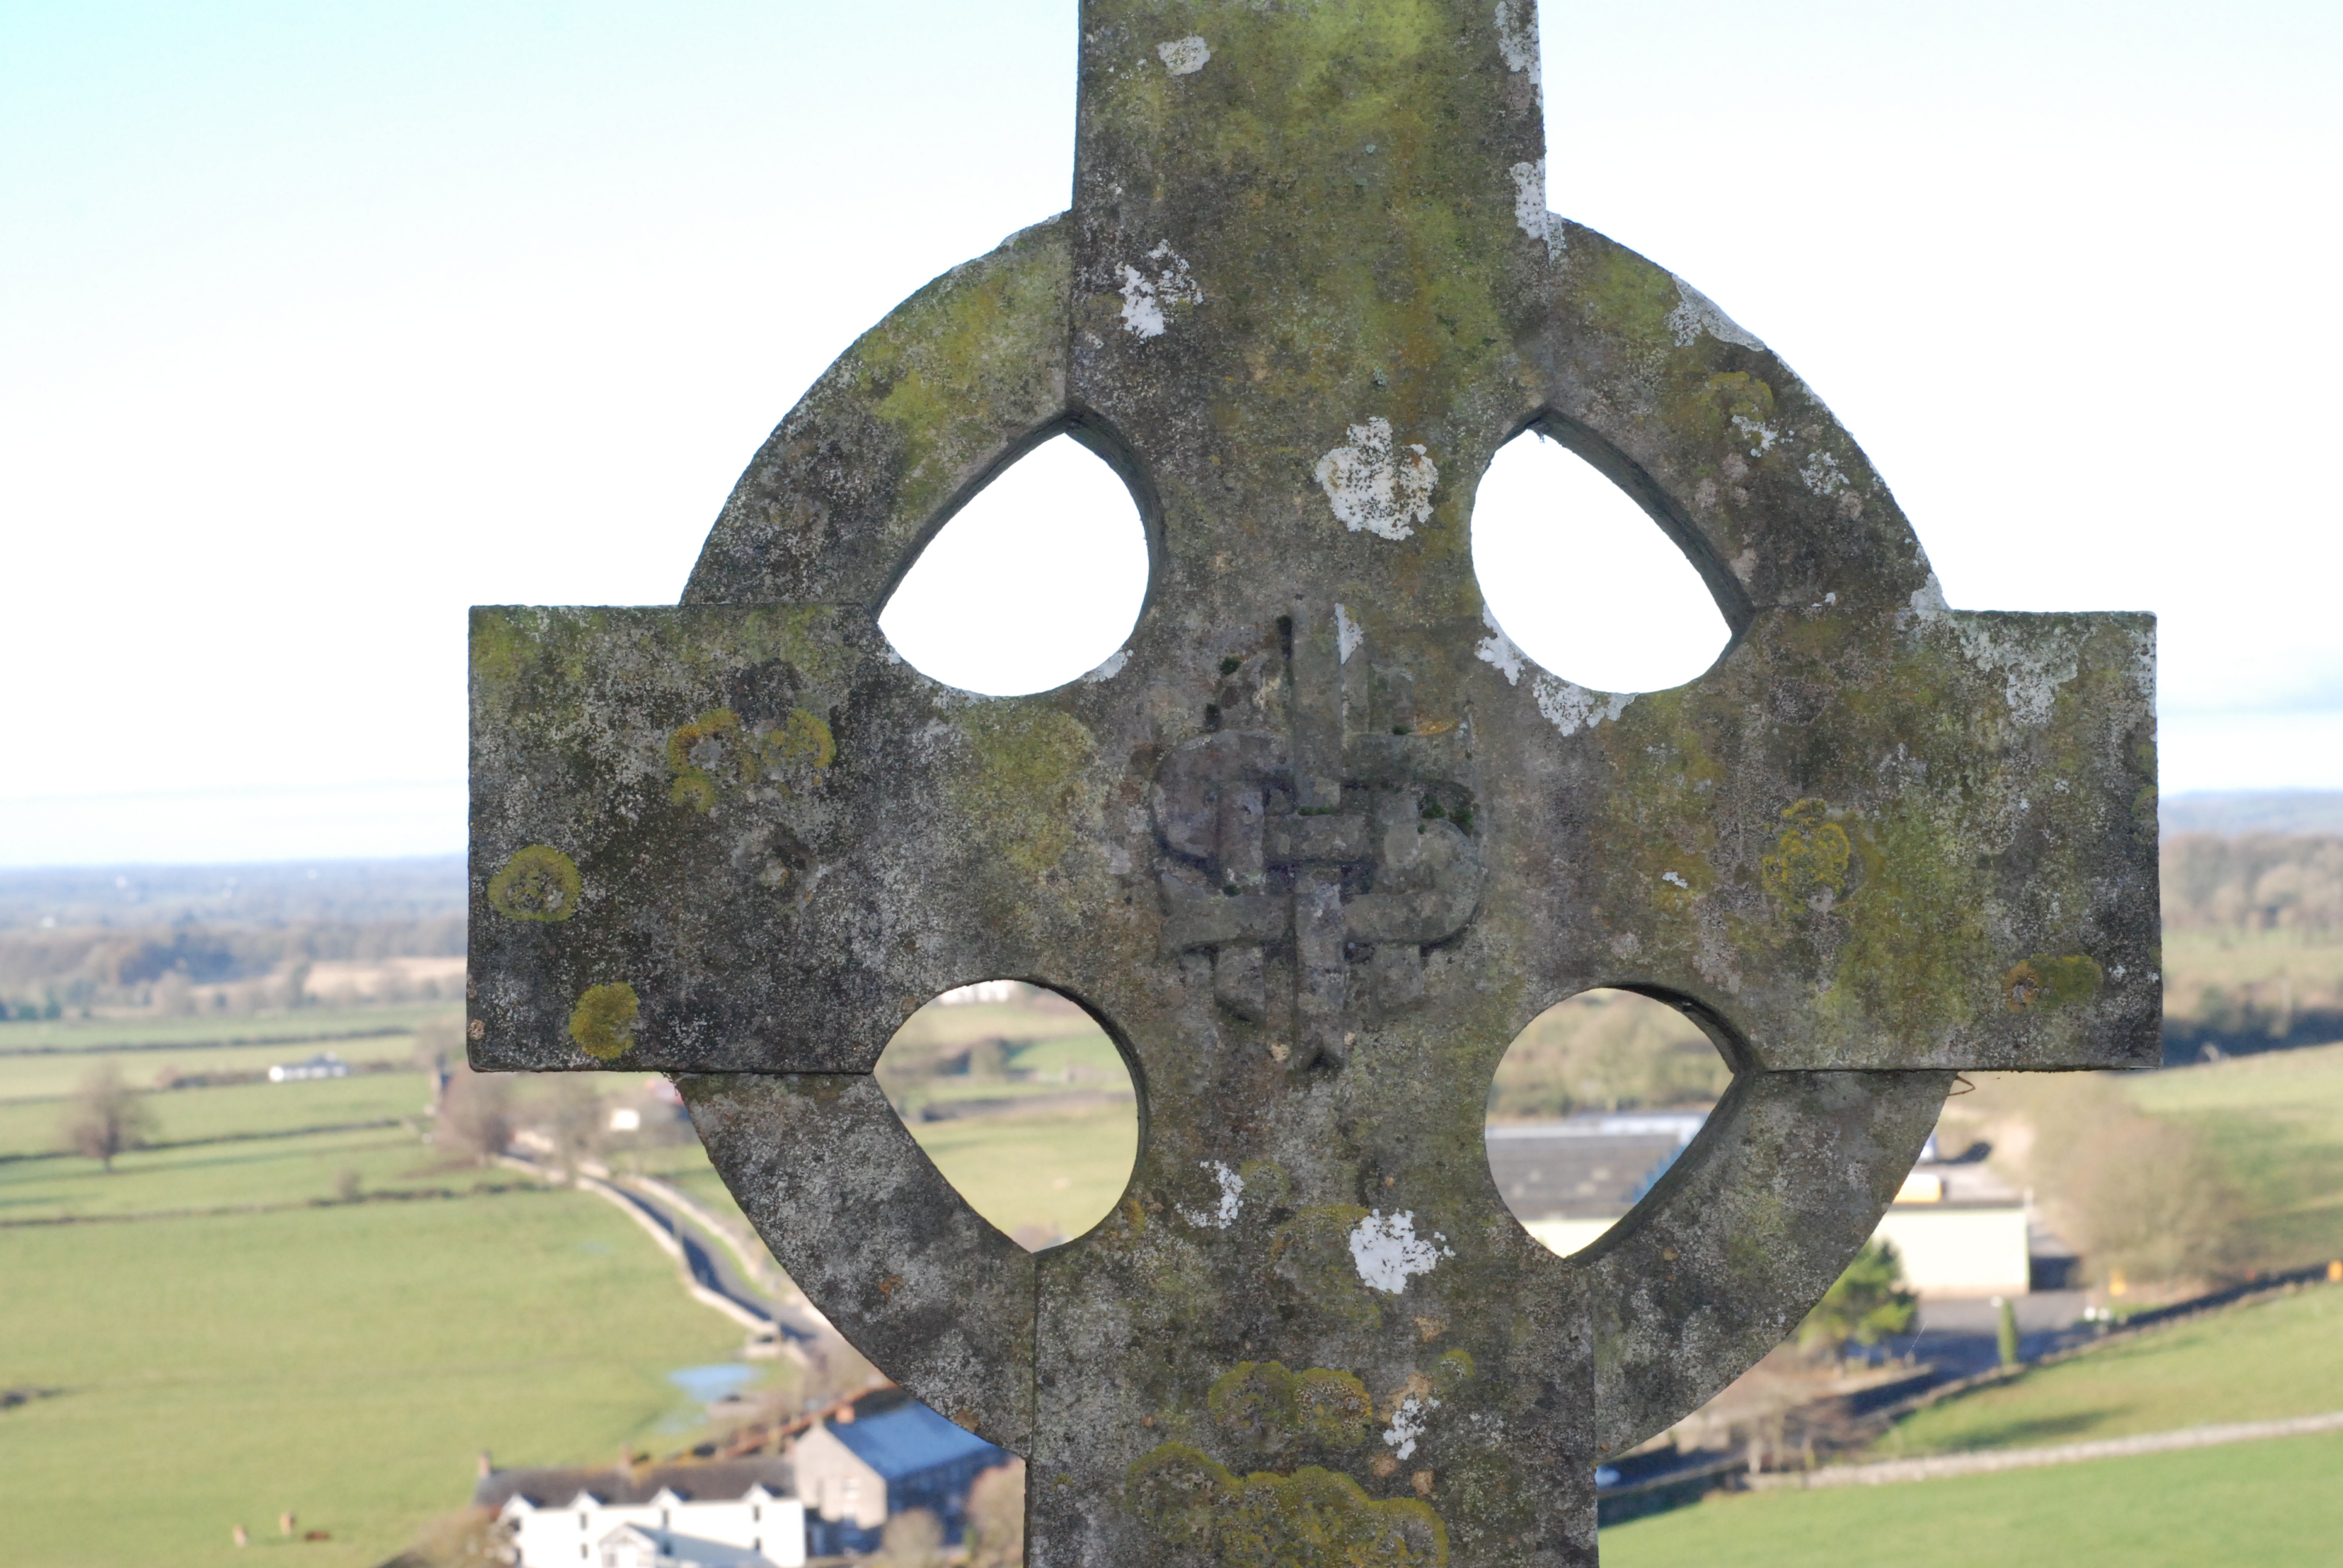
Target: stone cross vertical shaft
x,y
1319,841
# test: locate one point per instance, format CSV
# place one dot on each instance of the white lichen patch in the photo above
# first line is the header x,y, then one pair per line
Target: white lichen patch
x,y
1822,475
1497,649
1528,199
1388,1252
1147,292
1517,39
1758,432
1224,1214
2034,660
1571,707
1675,878
1926,604
1347,635
1184,56
1111,668
1696,313
1408,1422
1374,485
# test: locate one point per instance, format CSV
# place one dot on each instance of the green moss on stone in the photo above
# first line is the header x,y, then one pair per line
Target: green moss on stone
x,y
1023,789
1314,1518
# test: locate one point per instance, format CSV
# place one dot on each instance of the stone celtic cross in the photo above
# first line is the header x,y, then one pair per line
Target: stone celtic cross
x,y
1319,841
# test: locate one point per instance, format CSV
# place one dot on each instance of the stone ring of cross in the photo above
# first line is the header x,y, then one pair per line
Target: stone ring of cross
x,y
1319,841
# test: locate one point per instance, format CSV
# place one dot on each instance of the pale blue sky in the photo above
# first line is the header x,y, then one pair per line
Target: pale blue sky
x,y
319,322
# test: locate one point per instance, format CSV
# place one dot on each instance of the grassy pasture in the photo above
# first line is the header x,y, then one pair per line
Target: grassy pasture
x,y
54,1075
262,1172
2261,1362
144,1029
345,1363
2274,1504
2261,1502
32,1126
2275,1122
1057,1173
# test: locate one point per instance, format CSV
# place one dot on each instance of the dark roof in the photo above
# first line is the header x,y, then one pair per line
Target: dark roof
x,y
911,1438
1587,1168
722,1479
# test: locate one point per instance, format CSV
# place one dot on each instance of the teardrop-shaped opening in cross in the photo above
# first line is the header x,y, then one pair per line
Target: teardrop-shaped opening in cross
x,y
1590,1105
1581,579
1036,581
1022,1101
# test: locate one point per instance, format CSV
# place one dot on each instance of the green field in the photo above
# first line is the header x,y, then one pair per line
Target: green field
x,y
2275,1122
258,1316
2272,1504
2260,1361
32,1126
309,1023
54,1075
272,1171
345,1363
1057,1175
2273,969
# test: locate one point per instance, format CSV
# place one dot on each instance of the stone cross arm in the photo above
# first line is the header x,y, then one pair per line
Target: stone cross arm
x,y
750,839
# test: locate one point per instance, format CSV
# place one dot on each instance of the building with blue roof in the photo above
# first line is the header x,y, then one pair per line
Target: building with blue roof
x,y
854,1474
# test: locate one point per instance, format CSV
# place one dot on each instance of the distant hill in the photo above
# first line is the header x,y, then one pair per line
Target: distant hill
x,y
282,893
2253,811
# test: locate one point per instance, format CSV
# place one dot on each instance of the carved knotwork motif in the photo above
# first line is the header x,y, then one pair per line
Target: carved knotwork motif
x,y
1329,853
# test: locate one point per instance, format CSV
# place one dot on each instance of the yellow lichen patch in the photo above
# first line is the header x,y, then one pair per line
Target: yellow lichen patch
x,y
696,751
1811,855
603,1022
539,883
716,750
1262,1403
1314,1518
2045,982
799,741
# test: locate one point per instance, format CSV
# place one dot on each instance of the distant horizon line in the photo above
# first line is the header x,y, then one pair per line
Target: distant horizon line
x,y
296,862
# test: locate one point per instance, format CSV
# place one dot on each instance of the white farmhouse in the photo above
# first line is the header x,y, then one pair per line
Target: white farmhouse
x,y
324,1064
1958,1229
680,1525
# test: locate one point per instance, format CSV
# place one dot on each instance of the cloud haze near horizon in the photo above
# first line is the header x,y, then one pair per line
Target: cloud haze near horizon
x,y
317,325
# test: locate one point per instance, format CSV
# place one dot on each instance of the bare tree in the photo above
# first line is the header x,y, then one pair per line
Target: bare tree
x,y
475,1115
912,1539
996,1517
106,1116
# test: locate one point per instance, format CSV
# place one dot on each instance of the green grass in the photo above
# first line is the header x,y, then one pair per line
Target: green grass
x,y
54,1075
1057,1173
31,1127
343,1363
1088,1057
210,1029
229,1175
2275,1122
2257,1362
2273,1504
2264,965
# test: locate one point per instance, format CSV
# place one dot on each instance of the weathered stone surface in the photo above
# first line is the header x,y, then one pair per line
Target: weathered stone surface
x,y
1319,841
